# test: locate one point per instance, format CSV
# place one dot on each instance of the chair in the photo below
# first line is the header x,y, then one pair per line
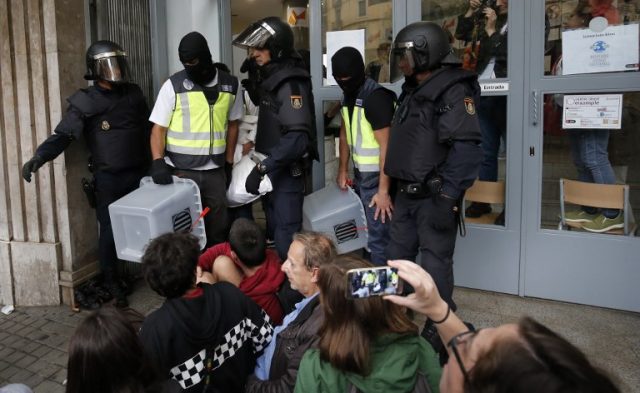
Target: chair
x,y
604,196
486,192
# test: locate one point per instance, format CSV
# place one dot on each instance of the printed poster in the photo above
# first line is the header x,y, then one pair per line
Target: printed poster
x,y
594,111
615,48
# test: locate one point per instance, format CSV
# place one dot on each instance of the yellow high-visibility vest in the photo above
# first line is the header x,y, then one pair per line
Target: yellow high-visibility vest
x,y
197,130
365,150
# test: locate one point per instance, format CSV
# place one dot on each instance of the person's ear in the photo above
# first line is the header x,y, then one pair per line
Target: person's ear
x,y
314,274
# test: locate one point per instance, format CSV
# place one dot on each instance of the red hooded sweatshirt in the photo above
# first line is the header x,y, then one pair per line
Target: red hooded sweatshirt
x,y
261,287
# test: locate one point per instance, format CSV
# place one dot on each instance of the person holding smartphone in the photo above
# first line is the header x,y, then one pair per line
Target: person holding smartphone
x,y
366,345
517,357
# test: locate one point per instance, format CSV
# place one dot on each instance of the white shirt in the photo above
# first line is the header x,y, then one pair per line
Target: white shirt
x,y
166,104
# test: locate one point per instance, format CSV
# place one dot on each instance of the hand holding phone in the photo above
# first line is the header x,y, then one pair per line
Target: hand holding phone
x,y
374,281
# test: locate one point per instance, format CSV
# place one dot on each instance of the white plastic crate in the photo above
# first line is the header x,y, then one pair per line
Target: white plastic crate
x,y
338,214
153,210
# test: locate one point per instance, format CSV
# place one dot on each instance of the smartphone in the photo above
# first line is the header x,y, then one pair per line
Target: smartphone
x,y
373,281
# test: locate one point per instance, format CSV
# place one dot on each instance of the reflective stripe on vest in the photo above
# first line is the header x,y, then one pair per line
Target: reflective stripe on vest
x,y
366,150
194,122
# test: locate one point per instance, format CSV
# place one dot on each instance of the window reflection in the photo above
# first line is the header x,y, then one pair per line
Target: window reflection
x,y
593,156
562,16
374,18
478,31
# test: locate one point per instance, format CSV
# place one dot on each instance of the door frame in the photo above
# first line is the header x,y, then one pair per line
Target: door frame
x,y
577,267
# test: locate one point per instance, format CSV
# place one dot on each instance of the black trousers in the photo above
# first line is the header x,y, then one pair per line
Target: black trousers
x,y
109,188
283,209
213,194
412,230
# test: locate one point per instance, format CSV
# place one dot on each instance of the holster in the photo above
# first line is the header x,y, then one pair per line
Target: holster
x,y
89,188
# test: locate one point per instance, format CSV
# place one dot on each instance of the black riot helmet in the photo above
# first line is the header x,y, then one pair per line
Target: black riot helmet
x,y
269,33
107,61
424,46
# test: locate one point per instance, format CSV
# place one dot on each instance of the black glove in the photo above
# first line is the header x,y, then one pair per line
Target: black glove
x,y
161,172
254,90
444,212
228,169
31,166
253,181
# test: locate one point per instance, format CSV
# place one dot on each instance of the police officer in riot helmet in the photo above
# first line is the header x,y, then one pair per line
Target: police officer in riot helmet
x,y
286,125
434,153
112,116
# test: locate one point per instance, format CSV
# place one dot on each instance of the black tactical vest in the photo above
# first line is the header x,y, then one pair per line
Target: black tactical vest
x,y
415,151
277,115
116,126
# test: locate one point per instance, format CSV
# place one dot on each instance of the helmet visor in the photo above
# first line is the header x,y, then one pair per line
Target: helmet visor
x,y
112,69
254,36
402,61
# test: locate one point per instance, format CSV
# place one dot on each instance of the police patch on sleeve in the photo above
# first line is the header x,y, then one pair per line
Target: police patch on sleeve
x,y
296,102
469,105
105,125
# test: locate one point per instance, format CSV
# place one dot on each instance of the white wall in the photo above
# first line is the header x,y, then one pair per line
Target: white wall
x,y
187,16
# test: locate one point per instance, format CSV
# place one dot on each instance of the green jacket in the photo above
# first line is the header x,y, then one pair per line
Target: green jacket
x,y
396,359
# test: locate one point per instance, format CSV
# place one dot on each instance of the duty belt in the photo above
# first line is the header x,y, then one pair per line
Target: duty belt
x,y
414,190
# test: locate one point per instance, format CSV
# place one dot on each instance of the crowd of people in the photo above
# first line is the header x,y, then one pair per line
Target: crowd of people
x,y
242,317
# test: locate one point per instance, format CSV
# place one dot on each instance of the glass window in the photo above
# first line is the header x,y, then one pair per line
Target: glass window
x,y
492,113
596,36
591,154
374,19
478,31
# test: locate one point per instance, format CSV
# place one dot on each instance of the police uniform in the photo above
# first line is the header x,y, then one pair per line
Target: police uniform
x,y
433,155
114,124
196,117
286,128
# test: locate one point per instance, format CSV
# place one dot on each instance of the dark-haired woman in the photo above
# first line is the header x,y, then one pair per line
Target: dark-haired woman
x,y
525,357
365,344
106,356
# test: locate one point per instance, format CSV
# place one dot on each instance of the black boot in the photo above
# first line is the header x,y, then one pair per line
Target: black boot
x,y
111,283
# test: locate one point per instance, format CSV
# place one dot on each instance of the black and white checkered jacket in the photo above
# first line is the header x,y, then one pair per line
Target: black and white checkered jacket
x,y
222,326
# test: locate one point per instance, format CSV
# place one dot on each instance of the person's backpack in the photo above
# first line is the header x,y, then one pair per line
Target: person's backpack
x,y
421,386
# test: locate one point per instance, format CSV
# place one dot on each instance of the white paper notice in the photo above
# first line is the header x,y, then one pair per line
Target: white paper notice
x,y
592,111
615,48
339,39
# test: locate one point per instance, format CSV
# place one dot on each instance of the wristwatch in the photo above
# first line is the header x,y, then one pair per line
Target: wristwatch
x,y
262,168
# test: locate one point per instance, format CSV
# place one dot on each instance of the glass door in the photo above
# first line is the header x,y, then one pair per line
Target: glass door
x,y
581,147
488,36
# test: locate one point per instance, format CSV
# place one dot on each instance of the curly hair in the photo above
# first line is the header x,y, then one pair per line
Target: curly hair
x,y
169,263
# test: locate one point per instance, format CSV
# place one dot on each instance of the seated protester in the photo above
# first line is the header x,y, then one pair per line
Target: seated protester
x,y
245,262
366,345
106,356
519,357
277,368
204,336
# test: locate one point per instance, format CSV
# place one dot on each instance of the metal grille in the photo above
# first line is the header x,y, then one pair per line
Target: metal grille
x,y
182,221
127,23
346,231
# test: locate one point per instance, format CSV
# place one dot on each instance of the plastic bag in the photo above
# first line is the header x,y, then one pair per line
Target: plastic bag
x,y
237,194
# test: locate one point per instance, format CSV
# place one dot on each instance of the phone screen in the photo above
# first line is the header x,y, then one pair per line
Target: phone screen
x,y
375,281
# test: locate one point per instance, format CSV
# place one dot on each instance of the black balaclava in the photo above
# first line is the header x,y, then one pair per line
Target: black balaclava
x,y
347,62
194,45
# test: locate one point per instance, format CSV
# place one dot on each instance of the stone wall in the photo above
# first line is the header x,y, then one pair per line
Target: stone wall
x,y
46,226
